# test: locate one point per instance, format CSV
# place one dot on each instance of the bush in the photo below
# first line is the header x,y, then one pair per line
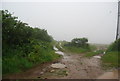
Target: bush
x,y
114,46
78,42
77,45
17,60
23,46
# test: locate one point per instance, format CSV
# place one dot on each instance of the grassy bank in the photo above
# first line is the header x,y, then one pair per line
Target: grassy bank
x,y
74,49
111,59
17,63
93,53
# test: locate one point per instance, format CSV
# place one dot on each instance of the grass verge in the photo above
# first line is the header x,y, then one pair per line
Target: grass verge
x,y
14,62
73,49
90,54
111,59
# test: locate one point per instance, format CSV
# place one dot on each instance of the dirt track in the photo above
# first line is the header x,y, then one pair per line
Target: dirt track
x,y
77,67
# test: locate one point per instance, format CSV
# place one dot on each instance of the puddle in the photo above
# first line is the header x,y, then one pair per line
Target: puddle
x,y
56,49
97,57
58,65
60,45
109,75
59,52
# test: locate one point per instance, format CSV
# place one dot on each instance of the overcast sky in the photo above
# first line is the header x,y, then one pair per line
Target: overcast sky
x,y
96,21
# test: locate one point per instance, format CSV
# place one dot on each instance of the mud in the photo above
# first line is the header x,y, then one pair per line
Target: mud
x,y
77,67
110,75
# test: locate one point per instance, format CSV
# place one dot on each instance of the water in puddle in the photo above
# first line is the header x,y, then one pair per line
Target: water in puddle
x,y
59,52
97,57
109,75
56,49
58,65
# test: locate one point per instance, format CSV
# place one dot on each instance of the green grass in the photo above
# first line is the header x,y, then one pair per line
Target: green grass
x,y
111,59
18,64
115,46
73,49
90,54
15,62
58,47
92,47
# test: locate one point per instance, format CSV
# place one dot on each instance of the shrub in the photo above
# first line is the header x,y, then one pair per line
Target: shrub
x,y
114,46
22,45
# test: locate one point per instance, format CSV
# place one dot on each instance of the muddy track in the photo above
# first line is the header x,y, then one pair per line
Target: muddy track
x,y
77,67
34,72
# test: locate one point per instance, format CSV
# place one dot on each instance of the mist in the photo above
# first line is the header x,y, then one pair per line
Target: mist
x,y
96,21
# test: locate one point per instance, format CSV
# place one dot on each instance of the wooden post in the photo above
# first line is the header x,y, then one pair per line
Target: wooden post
x,y
117,33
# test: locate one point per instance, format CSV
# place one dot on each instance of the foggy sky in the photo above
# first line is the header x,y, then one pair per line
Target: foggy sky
x,y
96,21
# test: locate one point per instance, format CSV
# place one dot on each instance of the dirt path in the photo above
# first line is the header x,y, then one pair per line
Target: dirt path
x,y
77,67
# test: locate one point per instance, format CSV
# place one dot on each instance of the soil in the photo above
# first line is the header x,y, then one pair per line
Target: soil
x,y
77,67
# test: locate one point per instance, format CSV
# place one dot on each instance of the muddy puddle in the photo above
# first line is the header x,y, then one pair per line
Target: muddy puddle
x,y
57,51
109,75
76,67
60,53
58,65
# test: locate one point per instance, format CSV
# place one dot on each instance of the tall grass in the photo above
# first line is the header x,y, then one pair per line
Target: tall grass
x,y
15,64
73,49
14,61
92,53
111,59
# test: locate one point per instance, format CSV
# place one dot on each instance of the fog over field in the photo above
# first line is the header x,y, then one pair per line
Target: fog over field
x,y
96,21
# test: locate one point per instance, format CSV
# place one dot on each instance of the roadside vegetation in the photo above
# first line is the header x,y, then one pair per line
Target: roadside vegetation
x,y
112,58
93,53
77,45
96,49
23,46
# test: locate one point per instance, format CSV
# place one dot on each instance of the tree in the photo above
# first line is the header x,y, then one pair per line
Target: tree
x,y
79,42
